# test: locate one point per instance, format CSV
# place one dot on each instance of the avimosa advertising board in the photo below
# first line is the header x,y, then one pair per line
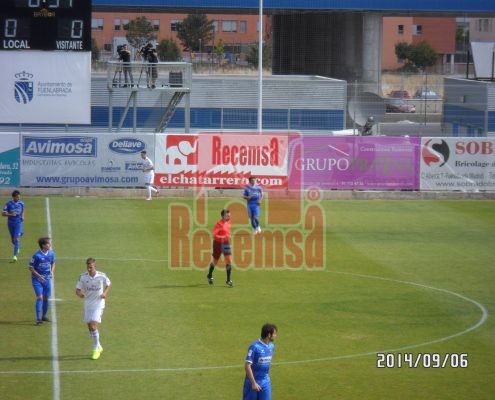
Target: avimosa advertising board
x,y
221,160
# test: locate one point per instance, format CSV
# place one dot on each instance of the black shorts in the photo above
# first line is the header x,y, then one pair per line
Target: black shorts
x,y
220,248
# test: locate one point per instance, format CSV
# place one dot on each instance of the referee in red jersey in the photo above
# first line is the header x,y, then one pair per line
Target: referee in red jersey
x,y
221,245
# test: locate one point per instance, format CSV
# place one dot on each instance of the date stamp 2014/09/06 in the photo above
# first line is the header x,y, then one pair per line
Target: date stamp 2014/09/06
x,y
422,360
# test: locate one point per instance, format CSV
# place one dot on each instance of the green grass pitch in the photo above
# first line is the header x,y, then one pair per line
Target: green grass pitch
x,y
404,277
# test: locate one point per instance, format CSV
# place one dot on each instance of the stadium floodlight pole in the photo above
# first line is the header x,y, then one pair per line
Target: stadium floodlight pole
x,y
260,69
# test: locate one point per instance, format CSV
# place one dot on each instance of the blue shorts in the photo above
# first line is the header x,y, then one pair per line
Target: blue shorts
x,y
253,210
250,394
15,229
42,289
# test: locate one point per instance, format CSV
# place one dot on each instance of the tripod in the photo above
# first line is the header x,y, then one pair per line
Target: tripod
x,y
116,82
146,70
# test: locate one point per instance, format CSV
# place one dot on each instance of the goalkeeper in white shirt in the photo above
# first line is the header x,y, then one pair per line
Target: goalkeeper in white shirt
x,y
93,287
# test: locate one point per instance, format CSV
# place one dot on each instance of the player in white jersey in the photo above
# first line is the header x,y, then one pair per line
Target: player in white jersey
x,y
149,175
93,287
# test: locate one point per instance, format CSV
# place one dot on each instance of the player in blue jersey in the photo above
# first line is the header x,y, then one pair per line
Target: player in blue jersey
x,y
257,385
253,194
14,211
42,267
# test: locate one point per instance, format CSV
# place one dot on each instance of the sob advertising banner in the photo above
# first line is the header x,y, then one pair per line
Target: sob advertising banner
x,y
465,164
221,159
93,160
347,163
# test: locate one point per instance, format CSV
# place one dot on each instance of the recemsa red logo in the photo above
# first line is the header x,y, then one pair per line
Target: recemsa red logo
x,y
181,150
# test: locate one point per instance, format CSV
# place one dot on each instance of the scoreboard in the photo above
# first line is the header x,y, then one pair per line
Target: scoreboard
x,y
45,25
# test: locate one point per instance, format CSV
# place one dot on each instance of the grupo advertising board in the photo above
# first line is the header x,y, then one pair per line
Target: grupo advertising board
x,y
45,87
347,163
92,160
9,159
221,159
465,164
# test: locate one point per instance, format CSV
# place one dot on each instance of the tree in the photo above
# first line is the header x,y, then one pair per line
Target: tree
x,y
194,30
219,50
252,55
168,50
423,55
416,56
140,32
95,51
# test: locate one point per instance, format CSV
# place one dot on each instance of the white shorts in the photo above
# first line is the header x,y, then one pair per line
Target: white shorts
x,y
93,314
149,178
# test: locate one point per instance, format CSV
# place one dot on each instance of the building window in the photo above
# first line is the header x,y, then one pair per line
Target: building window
x,y
243,26
215,25
417,30
400,29
229,26
97,24
116,24
156,25
484,25
107,47
125,24
174,25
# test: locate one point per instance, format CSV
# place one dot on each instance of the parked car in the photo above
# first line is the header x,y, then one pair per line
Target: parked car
x,y
427,94
399,94
398,106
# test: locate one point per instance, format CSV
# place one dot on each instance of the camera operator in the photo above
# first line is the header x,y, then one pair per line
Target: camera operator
x,y
148,54
153,60
125,57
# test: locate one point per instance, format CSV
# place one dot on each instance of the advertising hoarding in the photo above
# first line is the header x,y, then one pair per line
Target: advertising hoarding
x,y
92,160
465,164
221,159
45,87
346,163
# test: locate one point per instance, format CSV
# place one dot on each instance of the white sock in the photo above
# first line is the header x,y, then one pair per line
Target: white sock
x,y
148,190
95,337
154,189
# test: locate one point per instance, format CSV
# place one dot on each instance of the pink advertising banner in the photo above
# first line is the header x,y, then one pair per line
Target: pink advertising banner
x,y
359,163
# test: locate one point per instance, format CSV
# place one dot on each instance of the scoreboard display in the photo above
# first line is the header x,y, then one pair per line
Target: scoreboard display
x,y
45,25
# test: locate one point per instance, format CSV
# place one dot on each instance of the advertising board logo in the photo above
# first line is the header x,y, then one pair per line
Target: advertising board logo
x,y
133,166
59,146
23,87
126,146
181,152
435,153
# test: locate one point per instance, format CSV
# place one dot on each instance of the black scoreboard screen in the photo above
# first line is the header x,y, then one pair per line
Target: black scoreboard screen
x,y
45,25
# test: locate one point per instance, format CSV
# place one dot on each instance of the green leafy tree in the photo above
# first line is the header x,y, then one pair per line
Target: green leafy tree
x,y
416,56
252,55
423,55
140,32
194,30
95,51
168,50
219,50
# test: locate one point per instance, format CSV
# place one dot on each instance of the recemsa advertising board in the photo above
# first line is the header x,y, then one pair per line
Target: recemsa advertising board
x,y
221,159
93,160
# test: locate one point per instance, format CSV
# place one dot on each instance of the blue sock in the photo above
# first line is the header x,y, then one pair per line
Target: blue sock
x,y
39,305
45,307
17,246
